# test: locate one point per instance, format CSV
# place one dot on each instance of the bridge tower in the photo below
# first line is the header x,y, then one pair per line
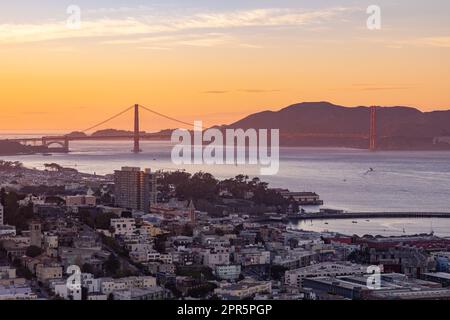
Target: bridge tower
x,y
373,129
137,148
66,144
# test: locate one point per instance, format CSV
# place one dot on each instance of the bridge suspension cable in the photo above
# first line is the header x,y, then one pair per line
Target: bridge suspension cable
x,y
164,116
131,107
109,119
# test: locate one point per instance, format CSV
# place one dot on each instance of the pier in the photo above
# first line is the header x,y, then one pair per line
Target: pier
x,y
367,215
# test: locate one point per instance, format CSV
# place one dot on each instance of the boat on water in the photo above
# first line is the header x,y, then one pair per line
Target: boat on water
x,y
354,221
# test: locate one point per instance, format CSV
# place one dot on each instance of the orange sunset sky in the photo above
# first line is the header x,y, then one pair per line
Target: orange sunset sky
x,y
200,60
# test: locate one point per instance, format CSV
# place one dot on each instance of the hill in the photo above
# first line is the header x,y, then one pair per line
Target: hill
x,y
326,124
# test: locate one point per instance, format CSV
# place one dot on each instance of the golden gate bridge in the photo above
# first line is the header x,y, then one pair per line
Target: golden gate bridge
x,y
63,141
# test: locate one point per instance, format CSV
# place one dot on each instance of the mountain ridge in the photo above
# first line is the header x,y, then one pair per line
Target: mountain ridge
x,y
398,127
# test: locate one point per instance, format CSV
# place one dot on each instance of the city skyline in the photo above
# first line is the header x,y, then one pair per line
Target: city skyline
x,y
216,62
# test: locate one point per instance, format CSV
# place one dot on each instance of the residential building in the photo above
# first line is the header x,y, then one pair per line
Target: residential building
x,y
442,278
216,256
135,189
45,272
17,293
36,233
295,277
154,293
243,289
2,213
442,261
303,198
124,226
8,277
6,230
109,285
253,256
228,272
295,259
81,200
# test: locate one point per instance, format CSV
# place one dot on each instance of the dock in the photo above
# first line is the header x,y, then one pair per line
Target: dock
x,y
367,215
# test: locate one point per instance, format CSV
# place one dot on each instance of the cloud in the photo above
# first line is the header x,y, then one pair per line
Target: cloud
x,y
169,23
258,90
384,88
166,42
242,91
25,33
35,113
216,92
375,87
439,42
425,42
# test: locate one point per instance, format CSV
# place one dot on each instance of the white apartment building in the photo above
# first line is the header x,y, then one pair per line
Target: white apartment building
x,y
296,258
253,256
153,293
124,226
295,277
30,199
217,256
139,256
62,290
109,285
7,231
17,293
228,272
90,283
244,289
154,256
50,241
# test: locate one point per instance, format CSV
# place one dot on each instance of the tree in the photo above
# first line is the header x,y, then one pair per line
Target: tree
x,y
87,268
219,232
160,243
53,166
10,165
188,231
101,220
277,272
15,215
33,251
112,265
200,186
202,291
